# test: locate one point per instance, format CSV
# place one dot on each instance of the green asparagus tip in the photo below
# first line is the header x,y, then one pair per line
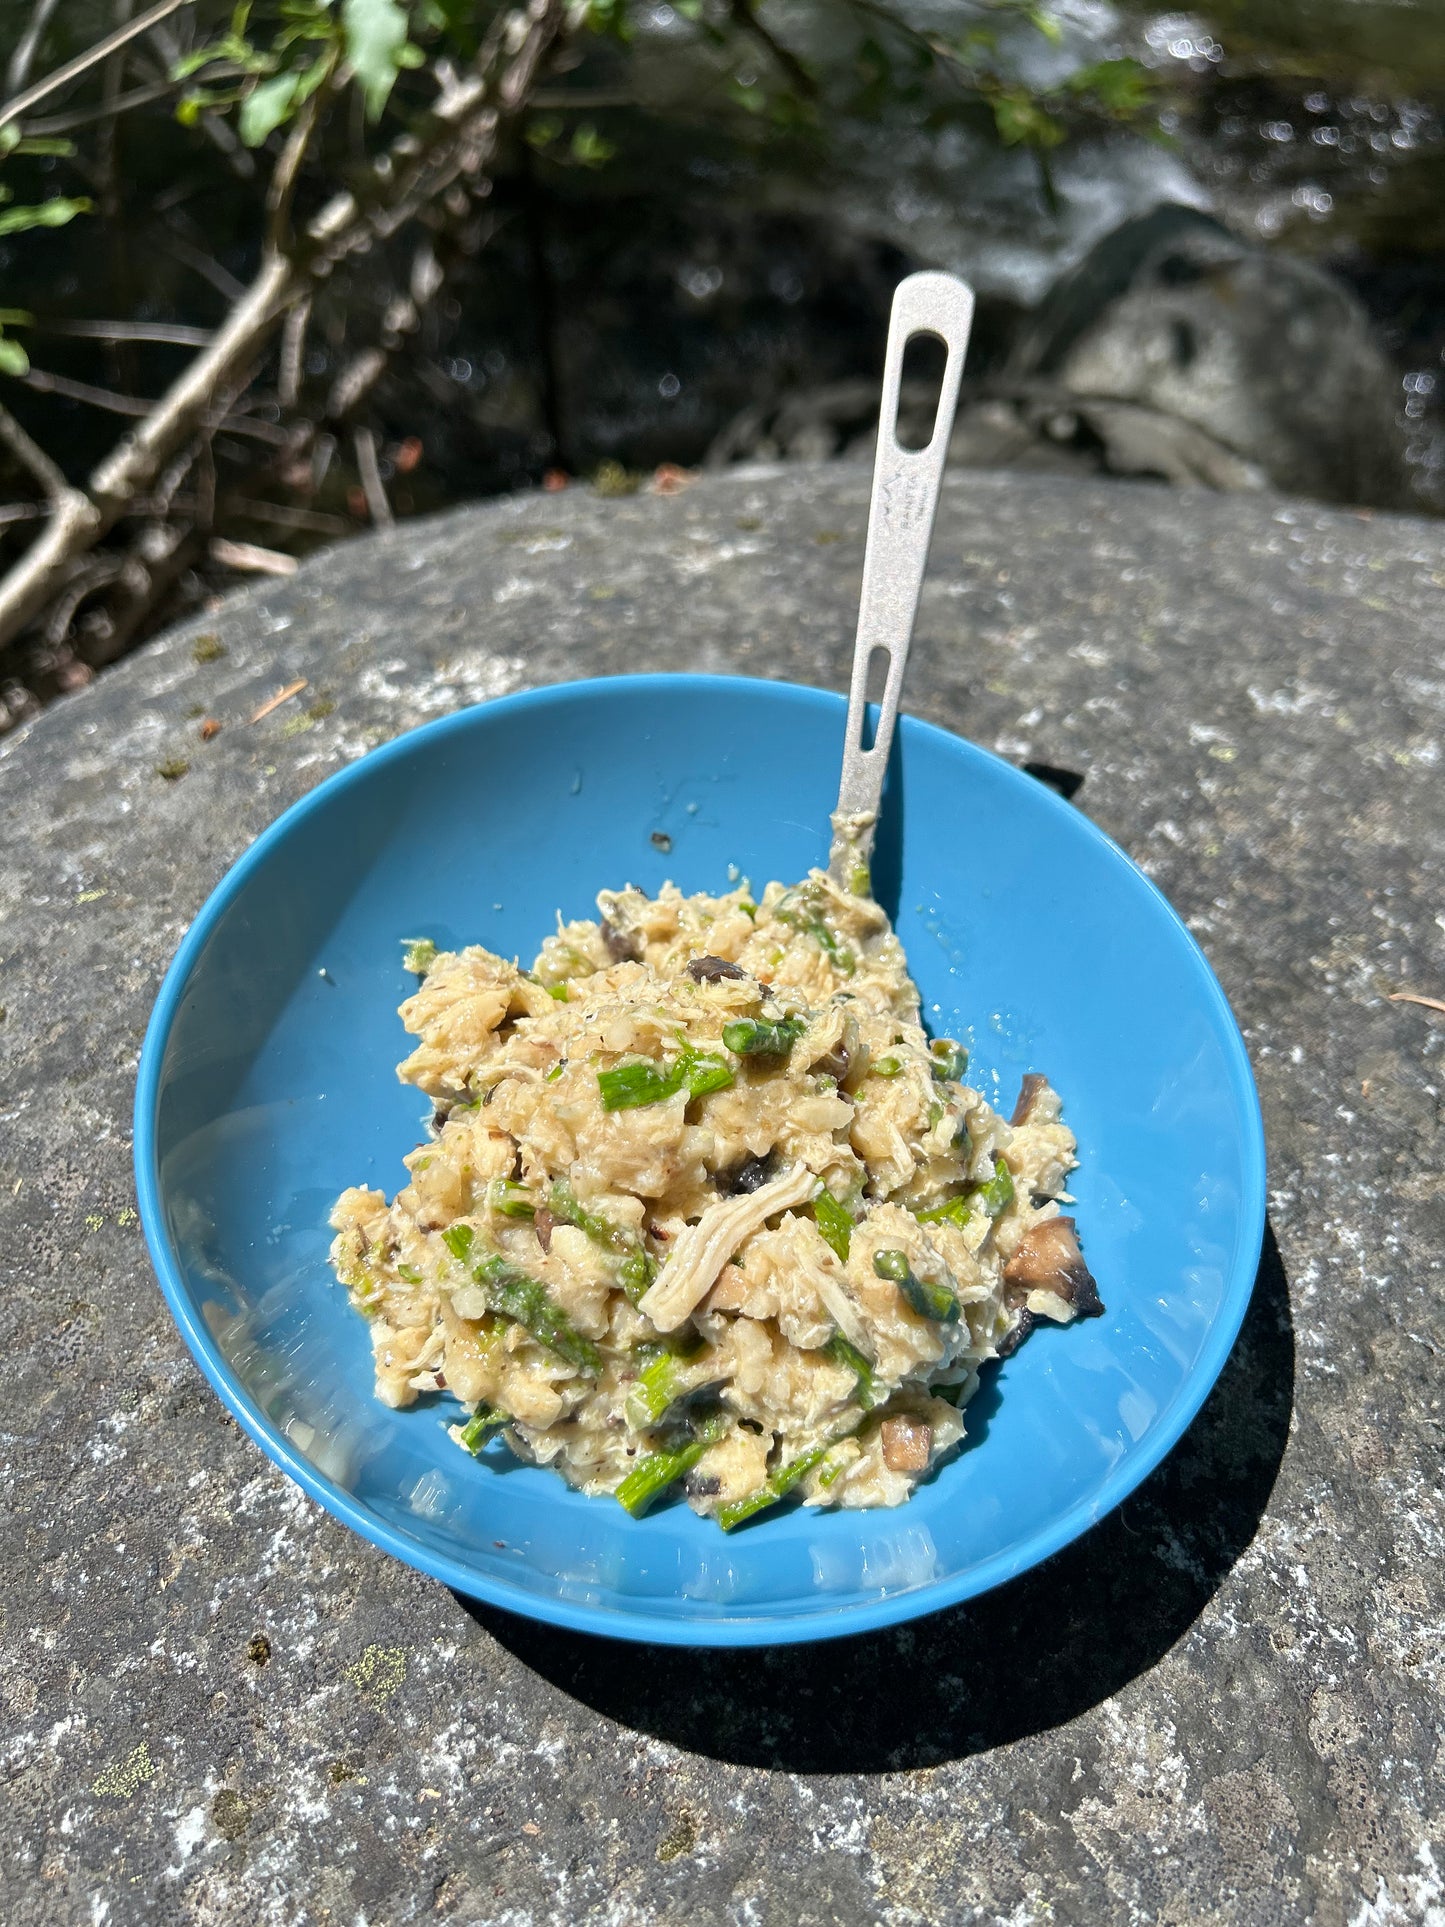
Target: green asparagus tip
x,y
483,1421
834,1222
762,1037
996,1194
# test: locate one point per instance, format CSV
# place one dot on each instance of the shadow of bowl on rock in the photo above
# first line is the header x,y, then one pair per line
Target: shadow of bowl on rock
x,y
1029,1656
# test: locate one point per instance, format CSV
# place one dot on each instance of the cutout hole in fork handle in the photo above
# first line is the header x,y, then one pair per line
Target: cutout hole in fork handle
x,y
925,357
878,662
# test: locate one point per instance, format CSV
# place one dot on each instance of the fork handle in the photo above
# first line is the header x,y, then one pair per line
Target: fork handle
x,y
900,526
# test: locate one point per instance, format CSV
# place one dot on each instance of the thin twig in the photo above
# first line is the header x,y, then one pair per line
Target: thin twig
x,y
46,383
221,279
315,521
284,176
28,45
275,702
73,526
247,557
293,341
1409,997
369,470
45,472
174,333
748,22
50,124
82,63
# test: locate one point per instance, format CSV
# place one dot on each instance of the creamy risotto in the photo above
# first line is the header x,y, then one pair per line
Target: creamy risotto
x,y
703,1207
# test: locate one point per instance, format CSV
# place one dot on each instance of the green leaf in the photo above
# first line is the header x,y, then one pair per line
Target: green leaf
x,y
590,148
374,35
53,213
34,145
13,358
1021,121
1122,87
609,17
266,107
1045,24
15,318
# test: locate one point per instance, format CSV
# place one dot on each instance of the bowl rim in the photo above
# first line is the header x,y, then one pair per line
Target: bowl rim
x,y
751,1629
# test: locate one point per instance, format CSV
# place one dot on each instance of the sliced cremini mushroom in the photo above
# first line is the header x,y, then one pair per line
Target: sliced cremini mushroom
x,y
705,1247
711,970
1047,1274
622,946
907,1443
1029,1091
751,1175
1016,1335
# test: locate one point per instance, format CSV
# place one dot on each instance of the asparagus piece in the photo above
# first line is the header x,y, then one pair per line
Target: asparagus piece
x,y
955,1211
834,1222
522,1299
654,1474
843,1353
704,1071
421,954
950,1060
662,1383
485,1420
928,1299
637,1269
762,1036
996,1194
626,1086
510,1200
777,1487
808,920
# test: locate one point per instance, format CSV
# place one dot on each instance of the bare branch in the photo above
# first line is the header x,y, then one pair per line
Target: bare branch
x,y
28,45
174,333
32,455
354,383
283,179
82,63
418,169
45,383
314,521
87,116
368,468
248,557
221,279
293,341
744,18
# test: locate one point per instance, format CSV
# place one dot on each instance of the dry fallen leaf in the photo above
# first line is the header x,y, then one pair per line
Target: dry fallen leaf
x,y
1409,997
275,702
210,728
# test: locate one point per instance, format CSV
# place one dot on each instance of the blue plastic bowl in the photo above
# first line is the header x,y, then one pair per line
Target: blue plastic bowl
x,y
267,1084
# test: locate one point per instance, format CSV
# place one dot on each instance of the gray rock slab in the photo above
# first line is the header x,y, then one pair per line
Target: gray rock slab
x,y
1222,1705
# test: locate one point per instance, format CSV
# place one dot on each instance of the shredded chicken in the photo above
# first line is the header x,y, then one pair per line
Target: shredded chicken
x,y
701,1204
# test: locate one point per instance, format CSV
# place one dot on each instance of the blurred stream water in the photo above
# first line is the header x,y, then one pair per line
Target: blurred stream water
x,y
627,314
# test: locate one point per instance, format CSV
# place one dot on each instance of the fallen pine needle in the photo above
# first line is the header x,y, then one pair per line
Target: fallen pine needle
x,y
275,702
1409,997
249,556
